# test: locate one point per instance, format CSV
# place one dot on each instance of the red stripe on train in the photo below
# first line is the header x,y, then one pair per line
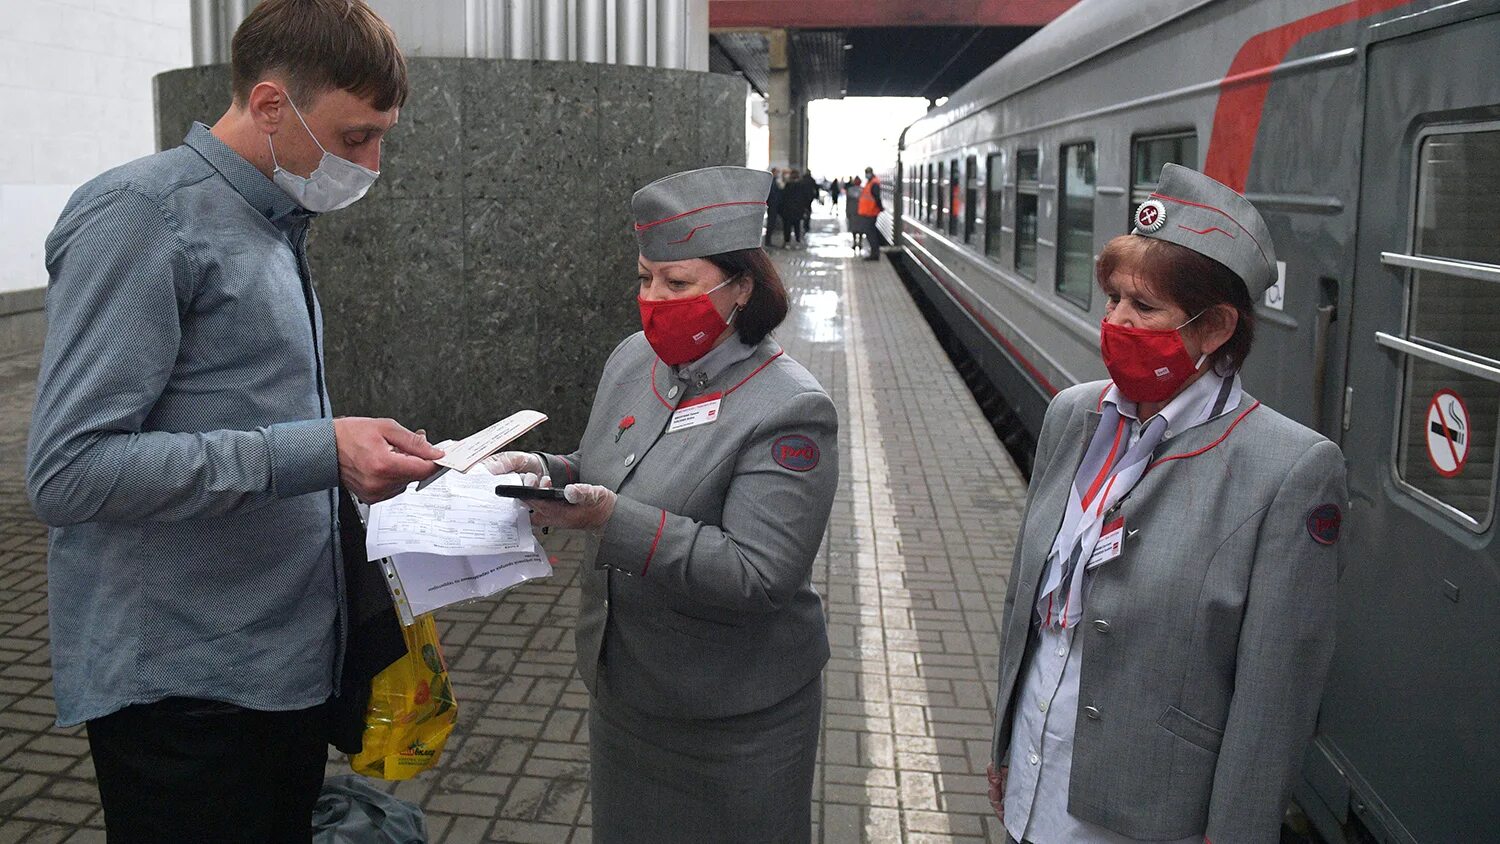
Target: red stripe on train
x,y
1243,90
1010,347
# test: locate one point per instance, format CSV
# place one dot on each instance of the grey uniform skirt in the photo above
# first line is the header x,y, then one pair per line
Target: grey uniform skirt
x,y
747,778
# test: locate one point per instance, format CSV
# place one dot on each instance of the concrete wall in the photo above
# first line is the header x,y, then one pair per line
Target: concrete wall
x,y
75,92
492,266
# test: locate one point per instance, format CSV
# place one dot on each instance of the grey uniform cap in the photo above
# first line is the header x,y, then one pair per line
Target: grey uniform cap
x,y
698,213
1192,210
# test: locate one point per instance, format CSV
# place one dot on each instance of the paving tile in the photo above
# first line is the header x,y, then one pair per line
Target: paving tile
x,y
477,805
530,832
55,811
464,830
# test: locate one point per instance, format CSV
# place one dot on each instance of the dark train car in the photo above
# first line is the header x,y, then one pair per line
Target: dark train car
x,y
1368,133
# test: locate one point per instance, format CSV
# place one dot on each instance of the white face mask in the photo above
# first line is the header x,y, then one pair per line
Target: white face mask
x,y
335,183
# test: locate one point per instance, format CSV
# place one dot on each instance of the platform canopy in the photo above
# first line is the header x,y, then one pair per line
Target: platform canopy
x,y
849,14
854,48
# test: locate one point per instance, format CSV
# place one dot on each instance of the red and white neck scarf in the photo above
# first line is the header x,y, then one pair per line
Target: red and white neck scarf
x,y
1112,465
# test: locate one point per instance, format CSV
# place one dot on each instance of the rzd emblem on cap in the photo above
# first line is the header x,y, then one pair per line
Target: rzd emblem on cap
x,y
795,452
1151,216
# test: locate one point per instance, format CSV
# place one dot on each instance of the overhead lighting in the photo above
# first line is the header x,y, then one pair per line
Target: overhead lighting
x,y
848,46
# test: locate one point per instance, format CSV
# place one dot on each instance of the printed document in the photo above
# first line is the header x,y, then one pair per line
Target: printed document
x,y
453,541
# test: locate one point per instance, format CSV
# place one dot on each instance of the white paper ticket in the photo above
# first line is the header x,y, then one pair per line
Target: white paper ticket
x,y
465,453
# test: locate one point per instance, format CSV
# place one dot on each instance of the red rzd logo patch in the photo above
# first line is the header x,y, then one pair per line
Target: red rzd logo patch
x,y
795,452
1324,522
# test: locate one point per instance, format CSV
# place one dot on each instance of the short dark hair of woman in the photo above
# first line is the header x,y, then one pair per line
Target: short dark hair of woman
x,y
1192,281
767,306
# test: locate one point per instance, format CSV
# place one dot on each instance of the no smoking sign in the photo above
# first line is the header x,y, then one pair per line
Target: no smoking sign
x,y
1448,433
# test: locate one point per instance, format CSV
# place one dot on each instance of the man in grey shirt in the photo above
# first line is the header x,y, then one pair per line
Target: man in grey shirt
x,y
184,450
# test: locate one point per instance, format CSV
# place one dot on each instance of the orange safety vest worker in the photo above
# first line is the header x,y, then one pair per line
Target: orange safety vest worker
x,y
867,206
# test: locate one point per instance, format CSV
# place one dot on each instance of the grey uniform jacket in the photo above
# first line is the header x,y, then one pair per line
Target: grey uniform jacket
x,y
1207,641
697,599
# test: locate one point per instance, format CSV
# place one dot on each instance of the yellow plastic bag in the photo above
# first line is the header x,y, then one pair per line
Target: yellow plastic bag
x,y
411,710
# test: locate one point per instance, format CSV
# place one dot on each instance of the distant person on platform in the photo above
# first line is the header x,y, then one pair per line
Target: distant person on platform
x,y
773,206
835,187
813,193
852,194
184,450
870,206
791,208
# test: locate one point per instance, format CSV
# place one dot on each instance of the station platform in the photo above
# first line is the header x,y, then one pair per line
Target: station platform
x,y
912,571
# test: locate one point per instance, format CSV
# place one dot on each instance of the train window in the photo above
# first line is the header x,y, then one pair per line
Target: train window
x,y
971,197
931,194
1150,154
894,190
1075,223
955,199
942,194
1028,165
1447,444
994,184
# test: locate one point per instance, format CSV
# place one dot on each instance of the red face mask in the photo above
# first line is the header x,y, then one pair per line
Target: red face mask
x,y
1147,364
682,330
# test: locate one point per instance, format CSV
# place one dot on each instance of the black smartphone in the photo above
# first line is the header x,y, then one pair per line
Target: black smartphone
x,y
529,493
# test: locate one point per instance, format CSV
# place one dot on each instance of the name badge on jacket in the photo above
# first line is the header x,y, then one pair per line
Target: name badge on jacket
x,y
1111,543
694,412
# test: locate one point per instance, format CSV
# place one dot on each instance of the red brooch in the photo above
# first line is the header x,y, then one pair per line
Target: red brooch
x,y
624,424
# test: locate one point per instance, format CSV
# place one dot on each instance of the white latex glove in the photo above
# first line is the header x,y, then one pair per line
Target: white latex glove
x,y
588,508
507,462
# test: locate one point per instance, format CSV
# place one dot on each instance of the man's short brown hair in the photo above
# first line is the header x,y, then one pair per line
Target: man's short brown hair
x,y
319,46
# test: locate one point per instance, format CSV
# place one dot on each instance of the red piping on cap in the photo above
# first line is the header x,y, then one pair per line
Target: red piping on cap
x,y
1208,230
689,235
1219,211
640,227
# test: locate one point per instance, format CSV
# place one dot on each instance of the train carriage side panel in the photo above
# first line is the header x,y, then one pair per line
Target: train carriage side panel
x,y
1040,340
1128,93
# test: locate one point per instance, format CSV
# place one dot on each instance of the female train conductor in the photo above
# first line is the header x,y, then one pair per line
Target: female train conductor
x,y
705,478
1169,618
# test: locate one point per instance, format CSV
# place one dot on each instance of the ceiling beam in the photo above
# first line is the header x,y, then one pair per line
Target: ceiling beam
x,y
841,14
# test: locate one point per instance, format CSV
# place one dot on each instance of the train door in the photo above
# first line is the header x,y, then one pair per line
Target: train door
x,y
1409,735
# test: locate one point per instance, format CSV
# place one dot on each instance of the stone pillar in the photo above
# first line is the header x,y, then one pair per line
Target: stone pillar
x,y
799,132
492,266
779,106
